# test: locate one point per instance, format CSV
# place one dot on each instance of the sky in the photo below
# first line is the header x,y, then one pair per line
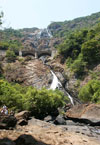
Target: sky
x,y
40,13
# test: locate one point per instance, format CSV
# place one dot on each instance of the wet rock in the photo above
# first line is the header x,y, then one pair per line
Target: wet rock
x,y
61,78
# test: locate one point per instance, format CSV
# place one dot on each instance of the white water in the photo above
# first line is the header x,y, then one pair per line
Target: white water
x,y
46,33
49,34
56,84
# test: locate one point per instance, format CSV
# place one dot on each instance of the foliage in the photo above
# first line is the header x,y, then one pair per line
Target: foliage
x,y
1,69
90,92
4,45
72,45
13,45
81,49
78,66
63,29
43,102
10,55
91,51
40,102
11,33
10,96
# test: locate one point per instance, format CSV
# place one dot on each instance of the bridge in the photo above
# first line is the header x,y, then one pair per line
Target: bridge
x,y
35,53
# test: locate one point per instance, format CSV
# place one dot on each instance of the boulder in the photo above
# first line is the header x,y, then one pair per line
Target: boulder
x,y
22,115
89,113
60,120
49,118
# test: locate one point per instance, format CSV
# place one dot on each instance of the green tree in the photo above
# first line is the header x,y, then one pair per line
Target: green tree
x,y
91,51
78,66
10,55
90,92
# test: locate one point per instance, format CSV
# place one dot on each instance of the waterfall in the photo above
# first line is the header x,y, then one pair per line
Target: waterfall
x,y
57,84
44,33
49,33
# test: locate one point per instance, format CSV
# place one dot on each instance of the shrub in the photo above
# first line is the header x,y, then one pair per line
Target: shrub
x,y
78,66
91,51
90,92
39,102
10,96
43,102
10,55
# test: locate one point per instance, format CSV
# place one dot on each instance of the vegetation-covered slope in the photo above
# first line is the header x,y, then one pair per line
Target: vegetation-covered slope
x,y
61,29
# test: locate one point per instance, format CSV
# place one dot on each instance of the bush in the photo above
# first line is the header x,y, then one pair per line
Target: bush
x,y
10,55
10,96
43,102
78,66
91,51
39,102
90,92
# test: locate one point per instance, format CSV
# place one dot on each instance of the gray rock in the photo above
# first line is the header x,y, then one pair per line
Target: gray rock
x,y
60,120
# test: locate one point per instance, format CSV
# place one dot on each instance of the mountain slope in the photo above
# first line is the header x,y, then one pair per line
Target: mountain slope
x,y
61,29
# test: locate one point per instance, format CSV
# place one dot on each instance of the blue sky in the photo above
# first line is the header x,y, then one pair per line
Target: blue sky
x,y
40,13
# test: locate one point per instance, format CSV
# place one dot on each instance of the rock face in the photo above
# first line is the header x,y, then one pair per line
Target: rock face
x,y
31,73
39,41
87,112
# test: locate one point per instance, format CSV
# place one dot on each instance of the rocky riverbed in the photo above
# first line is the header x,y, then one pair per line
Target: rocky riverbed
x,y
42,133
31,131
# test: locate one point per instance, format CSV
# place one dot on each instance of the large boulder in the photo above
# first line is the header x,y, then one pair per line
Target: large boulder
x,y
22,117
89,113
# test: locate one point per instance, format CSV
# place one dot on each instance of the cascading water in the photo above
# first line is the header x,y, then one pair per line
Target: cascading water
x,y
56,84
49,33
44,33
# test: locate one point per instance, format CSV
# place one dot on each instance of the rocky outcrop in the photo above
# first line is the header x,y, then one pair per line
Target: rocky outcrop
x,y
29,73
43,133
89,114
22,117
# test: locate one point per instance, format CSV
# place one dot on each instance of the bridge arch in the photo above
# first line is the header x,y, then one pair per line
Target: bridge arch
x,y
28,53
